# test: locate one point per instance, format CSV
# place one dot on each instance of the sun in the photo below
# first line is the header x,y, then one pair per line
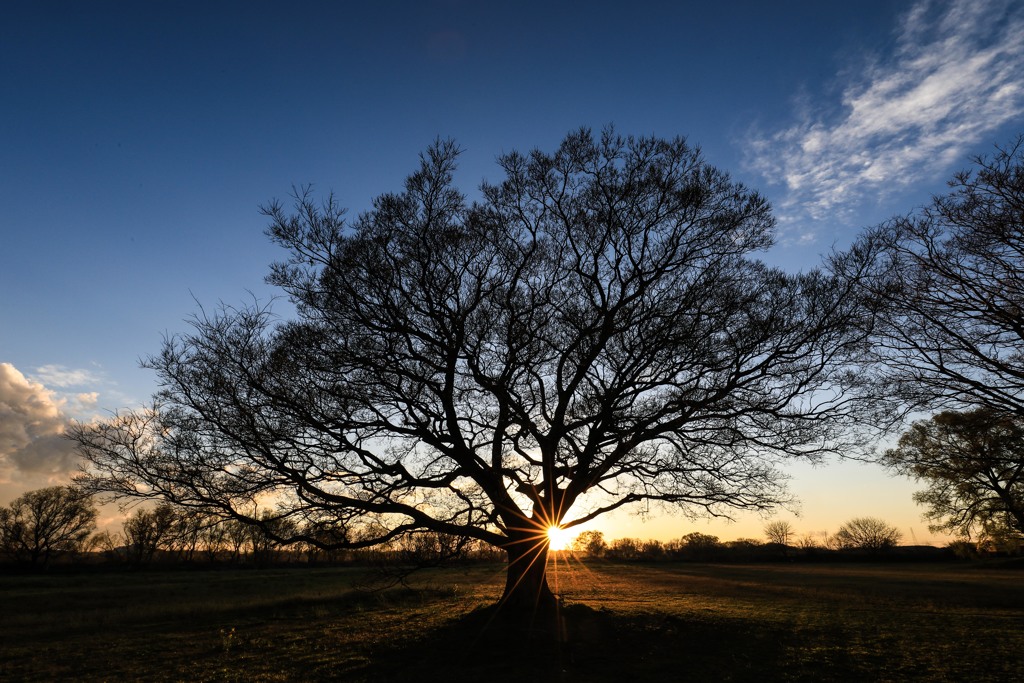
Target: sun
x,y
559,538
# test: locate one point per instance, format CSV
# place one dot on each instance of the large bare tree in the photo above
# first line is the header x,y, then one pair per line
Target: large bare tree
x,y
590,334
951,280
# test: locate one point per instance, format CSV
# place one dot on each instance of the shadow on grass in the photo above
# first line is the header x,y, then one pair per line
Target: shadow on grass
x,y
595,645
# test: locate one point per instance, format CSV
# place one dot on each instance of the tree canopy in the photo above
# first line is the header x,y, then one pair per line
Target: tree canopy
x,y
867,533
779,532
592,333
972,464
39,524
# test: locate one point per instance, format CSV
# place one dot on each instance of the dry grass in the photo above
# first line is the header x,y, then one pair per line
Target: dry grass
x,y
621,622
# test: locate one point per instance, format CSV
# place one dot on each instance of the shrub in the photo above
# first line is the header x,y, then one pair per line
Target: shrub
x,y
867,533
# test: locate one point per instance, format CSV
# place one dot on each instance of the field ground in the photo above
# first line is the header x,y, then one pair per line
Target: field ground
x,y
657,622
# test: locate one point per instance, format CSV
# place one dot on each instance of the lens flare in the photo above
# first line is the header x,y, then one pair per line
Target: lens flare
x,y
559,538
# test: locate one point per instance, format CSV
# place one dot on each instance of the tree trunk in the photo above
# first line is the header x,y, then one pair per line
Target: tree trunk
x,y
526,585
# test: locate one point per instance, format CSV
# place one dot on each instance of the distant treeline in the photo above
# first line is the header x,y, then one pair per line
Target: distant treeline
x,y
698,547
56,526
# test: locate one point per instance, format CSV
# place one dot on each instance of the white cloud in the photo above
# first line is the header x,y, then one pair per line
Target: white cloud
x,y
87,399
60,376
956,74
33,449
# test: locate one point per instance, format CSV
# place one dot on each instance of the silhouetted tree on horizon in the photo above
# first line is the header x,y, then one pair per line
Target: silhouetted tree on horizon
x,y
148,531
40,524
866,533
593,333
591,543
972,464
696,546
779,531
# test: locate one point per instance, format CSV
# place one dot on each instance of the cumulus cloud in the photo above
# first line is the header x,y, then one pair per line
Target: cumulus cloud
x,y
32,421
955,75
87,399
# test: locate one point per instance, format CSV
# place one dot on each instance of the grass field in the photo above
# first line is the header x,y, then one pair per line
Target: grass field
x,y
661,622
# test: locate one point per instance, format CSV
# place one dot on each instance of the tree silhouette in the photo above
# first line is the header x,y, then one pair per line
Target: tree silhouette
x,y
697,546
590,334
147,532
779,531
950,283
41,523
973,466
591,543
867,533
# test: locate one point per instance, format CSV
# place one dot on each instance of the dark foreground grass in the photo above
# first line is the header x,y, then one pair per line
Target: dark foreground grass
x,y
619,622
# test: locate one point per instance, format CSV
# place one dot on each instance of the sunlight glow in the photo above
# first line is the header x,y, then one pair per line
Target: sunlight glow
x,y
559,538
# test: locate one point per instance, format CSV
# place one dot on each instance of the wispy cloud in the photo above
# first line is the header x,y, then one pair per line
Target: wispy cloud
x,y
956,74
63,377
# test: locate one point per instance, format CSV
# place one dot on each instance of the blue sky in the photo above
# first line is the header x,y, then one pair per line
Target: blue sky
x,y
137,141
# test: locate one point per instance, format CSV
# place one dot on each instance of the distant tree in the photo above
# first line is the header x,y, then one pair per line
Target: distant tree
x,y
624,549
591,543
430,548
42,523
866,533
748,550
596,322
698,547
972,464
998,536
652,549
779,531
814,541
949,281
807,542
238,538
964,549
111,545
190,530
147,531
328,536
696,539
268,534
214,539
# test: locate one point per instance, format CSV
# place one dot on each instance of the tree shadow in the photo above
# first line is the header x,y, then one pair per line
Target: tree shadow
x,y
586,644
